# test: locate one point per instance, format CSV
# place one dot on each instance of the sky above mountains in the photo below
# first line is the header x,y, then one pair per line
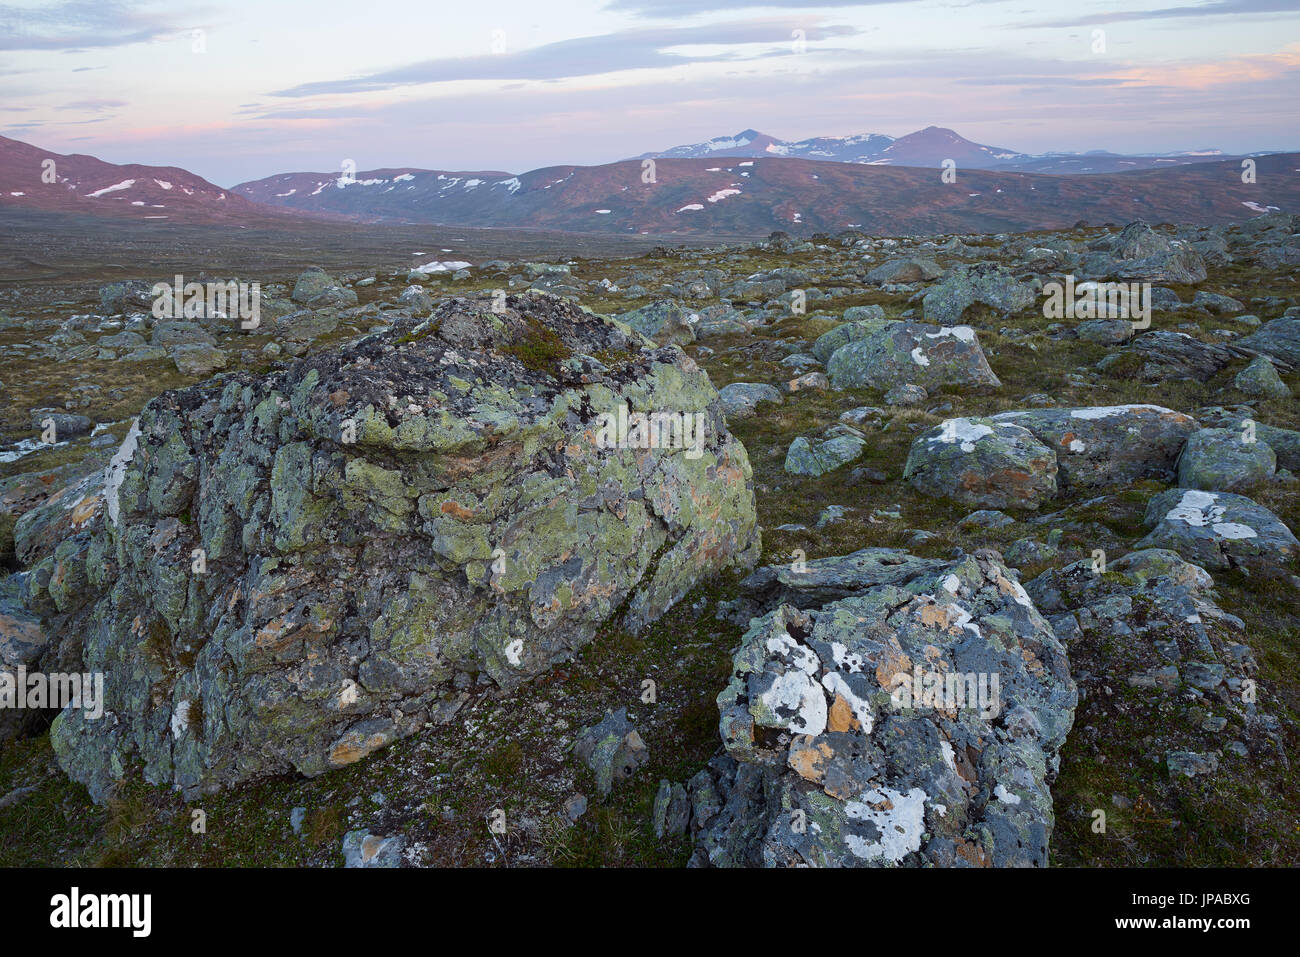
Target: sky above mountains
x,y
240,89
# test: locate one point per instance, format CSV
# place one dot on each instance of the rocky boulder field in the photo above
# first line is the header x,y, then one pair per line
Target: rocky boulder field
x,y
838,551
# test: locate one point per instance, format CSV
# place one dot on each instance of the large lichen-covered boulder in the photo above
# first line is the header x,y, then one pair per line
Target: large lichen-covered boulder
x,y
982,462
895,352
296,569
1219,530
1102,446
857,733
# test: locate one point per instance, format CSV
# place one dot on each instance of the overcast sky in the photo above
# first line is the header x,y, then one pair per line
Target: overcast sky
x,y
240,89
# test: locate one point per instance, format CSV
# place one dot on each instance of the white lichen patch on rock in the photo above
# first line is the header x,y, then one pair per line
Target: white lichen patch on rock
x,y
116,470
1106,411
962,333
899,817
963,431
797,692
1199,508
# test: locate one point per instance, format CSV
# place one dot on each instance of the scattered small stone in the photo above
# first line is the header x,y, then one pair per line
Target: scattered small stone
x,y
363,849
612,749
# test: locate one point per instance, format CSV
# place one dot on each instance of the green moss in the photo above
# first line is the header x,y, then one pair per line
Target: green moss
x,y
502,764
539,349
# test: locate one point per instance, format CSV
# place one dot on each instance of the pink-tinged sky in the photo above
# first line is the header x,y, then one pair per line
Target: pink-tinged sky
x,y
241,89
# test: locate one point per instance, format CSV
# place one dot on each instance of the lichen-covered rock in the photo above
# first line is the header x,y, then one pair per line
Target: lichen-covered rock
x,y
172,333
295,569
827,343
665,321
129,295
1279,338
1102,446
1140,253
305,325
416,298
1285,444
66,425
1151,598
1219,530
985,283
1149,620
811,584
1107,332
363,849
198,359
839,446
1260,378
1166,354
315,287
859,313
672,810
22,641
612,750
740,399
1221,460
894,352
1217,303
1139,241
906,394
982,462
907,269
57,541
914,723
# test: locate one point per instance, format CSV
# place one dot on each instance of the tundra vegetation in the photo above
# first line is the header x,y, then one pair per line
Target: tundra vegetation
x,y
438,623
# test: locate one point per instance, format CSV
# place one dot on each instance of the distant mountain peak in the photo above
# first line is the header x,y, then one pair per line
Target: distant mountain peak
x,y
924,147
